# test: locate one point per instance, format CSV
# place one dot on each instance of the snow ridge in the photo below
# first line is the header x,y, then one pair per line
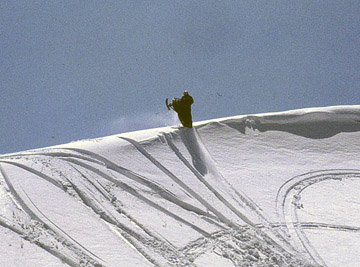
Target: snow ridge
x,y
184,197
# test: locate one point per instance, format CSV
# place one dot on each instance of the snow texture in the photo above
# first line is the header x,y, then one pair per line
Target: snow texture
x,y
275,189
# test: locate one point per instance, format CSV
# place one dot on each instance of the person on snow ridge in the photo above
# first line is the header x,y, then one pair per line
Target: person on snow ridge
x,y
182,107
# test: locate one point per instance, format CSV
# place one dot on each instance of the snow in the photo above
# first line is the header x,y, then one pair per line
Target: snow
x,y
274,189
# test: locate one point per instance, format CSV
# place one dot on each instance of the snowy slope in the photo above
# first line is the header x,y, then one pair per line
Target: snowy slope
x,y
275,189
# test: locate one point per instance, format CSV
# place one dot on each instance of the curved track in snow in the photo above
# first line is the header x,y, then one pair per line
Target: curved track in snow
x,y
287,205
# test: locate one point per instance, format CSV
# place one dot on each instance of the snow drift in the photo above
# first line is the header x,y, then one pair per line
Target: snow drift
x,y
275,189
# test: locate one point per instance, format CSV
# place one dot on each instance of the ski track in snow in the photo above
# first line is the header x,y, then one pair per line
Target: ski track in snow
x,y
287,205
164,246
221,217
242,197
236,228
36,214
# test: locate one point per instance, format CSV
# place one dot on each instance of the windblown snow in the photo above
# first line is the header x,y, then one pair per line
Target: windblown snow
x,y
274,189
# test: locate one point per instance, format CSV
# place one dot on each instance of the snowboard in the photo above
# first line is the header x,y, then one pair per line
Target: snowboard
x,y
167,104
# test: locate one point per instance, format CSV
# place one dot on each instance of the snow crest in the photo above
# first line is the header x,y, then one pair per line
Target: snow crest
x,y
240,191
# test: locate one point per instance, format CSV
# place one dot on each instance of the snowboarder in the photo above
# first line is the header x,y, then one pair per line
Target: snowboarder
x,y
183,108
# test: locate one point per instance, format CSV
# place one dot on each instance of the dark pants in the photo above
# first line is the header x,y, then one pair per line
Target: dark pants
x,y
184,113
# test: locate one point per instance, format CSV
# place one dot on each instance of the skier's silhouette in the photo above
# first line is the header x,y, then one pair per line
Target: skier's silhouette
x,y
183,108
